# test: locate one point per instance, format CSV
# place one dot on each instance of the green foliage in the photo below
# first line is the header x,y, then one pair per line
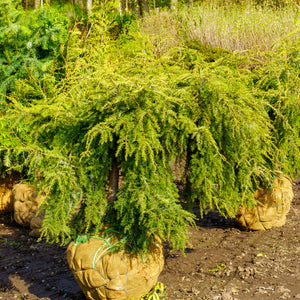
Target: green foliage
x,y
218,268
120,106
278,83
31,43
146,205
230,145
10,244
156,293
115,111
208,53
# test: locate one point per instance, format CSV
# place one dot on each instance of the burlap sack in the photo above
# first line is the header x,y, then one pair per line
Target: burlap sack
x,y
36,224
6,185
273,206
118,275
26,202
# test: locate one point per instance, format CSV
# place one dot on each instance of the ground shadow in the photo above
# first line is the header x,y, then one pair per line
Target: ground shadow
x,y
36,270
213,219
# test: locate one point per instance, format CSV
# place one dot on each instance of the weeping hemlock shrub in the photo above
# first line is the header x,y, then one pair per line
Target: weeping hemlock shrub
x,y
115,117
100,141
278,83
230,148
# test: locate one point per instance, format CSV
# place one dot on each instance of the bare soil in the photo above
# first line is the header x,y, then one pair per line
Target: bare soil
x,y
222,263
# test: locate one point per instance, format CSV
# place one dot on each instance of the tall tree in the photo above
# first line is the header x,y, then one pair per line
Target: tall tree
x,y
89,4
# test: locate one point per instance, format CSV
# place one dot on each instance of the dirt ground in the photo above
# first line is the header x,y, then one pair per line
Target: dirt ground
x,y
224,263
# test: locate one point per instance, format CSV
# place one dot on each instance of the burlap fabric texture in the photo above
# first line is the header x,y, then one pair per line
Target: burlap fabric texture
x,y
26,204
36,224
103,274
6,186
273,205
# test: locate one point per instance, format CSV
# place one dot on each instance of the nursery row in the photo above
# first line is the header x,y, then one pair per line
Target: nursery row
x,y
95,116
108,116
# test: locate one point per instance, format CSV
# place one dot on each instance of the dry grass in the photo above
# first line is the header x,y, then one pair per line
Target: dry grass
x,y
163,30
238,27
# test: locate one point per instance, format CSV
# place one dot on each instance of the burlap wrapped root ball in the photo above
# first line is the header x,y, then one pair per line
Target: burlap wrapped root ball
x,y
26,205
36,224
103,274
6,186
273,206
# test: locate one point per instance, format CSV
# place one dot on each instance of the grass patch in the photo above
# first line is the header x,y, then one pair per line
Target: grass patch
x,y
238,27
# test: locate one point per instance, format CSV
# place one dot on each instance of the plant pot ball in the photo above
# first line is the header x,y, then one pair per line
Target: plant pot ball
x,y
26,203
105,274
6,186
273,205
36,224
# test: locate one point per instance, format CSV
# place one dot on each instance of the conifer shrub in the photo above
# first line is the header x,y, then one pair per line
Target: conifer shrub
x,y
114,111
100,141
31,43
208,53
278,82
229,146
